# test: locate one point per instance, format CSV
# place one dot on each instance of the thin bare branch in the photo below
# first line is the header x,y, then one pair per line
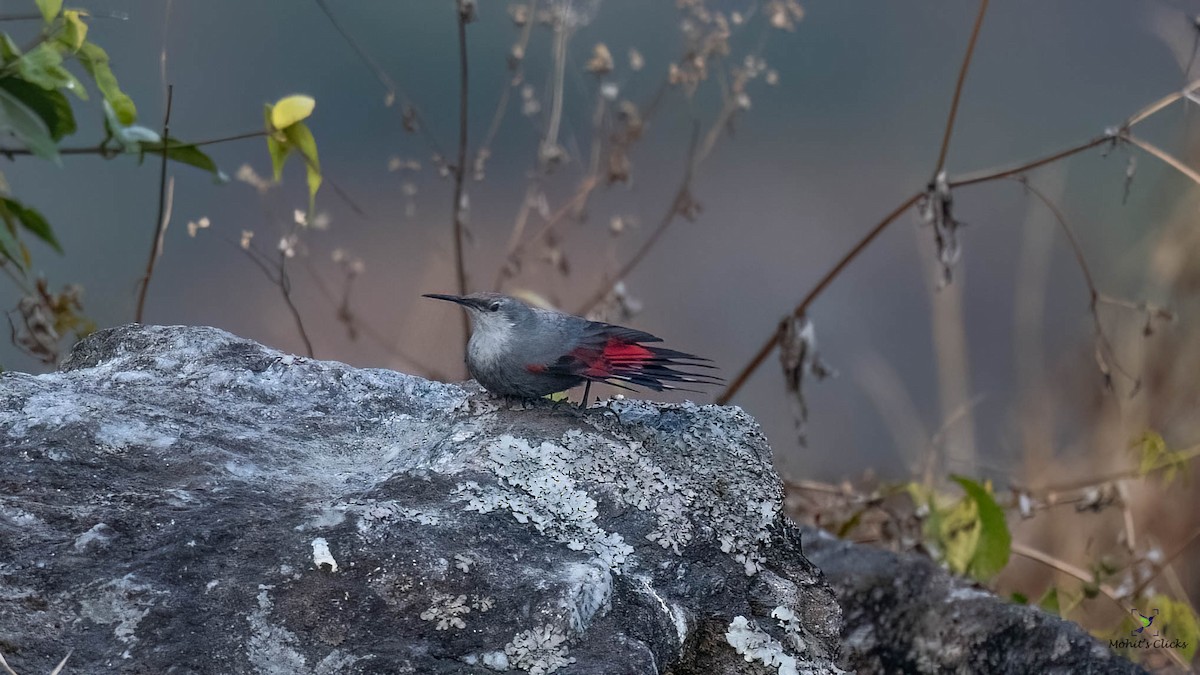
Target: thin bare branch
x,y
958,87
285,287
680,204
460,170
736,384
976,178
164,214
1105,351
1163,155
408,109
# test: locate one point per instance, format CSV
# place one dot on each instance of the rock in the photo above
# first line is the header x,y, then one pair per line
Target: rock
x,y
904,614
178,500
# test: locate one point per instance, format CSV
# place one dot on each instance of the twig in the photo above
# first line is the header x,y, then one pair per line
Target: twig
x,y
164,214
285,287
976,178
550,143
679,203
958,87
393,90
1163,155
1104,347
109,153
460,171
763,352
1158,568
515,70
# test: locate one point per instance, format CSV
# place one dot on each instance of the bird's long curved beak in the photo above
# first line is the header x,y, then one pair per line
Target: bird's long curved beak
x,y
465,302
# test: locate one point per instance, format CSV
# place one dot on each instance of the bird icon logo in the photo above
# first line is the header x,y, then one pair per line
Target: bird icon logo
x,y
1143,622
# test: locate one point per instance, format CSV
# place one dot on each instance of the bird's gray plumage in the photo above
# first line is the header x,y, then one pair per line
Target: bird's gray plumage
x,y
519,350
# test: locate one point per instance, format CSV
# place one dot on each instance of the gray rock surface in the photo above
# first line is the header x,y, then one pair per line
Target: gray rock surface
x,y
178,500
904,614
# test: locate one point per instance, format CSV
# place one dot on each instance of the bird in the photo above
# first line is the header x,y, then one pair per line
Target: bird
x,y
521,351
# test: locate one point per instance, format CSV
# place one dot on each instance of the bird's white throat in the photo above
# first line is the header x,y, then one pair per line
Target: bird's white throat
x,y
491,338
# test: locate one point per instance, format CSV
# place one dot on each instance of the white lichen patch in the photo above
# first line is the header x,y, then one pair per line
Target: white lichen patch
x,y
447,610
789,621
463,562
537,488
539,651
755,645
374,514
589,589
133,434
97,537
123,602
718,478
272,649
321,554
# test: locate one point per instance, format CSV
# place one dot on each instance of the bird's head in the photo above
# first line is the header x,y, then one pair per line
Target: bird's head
x,y
489,311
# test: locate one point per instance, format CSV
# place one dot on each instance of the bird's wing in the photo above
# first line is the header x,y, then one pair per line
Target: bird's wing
x,y
616,355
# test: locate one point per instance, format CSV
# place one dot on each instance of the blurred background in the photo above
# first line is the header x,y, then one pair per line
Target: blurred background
x,y
812,122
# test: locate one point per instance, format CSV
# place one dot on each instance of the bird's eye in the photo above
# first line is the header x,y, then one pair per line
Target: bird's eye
x,y
494,307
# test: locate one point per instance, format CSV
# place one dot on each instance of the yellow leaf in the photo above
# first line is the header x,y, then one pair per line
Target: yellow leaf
x,y
76,28
291,109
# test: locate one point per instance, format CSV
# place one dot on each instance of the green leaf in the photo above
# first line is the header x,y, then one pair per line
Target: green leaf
x,y
76,30
9,246
50,105
290,110
50,8
958,533
27,125
1049,601
95,61
185,153
32,221
300,137
1179,622
995,542
277,145
43,66
1018,598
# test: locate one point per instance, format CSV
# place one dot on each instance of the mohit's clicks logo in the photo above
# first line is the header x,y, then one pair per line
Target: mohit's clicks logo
x,y
1146,634
1144,622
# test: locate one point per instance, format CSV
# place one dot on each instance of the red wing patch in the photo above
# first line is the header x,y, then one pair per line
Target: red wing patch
x,y
614,357
536,367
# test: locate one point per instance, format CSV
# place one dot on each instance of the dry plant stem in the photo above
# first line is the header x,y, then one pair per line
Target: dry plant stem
x,y
365,328
1182,456
388,83
1087,578
164,214
502,105
1166,563
517,248
958,87
285,287
109,153
682,195
985,176
1104,345
1163,155
763,352
460,170
560,64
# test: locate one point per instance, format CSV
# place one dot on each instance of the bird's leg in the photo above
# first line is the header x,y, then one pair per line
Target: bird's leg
x,y
586,389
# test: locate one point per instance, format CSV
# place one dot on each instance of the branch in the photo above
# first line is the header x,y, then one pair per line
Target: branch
x,y
1105,353
679,205
164,214
763,352
408,109
285,286
958,87
460,171
962,181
